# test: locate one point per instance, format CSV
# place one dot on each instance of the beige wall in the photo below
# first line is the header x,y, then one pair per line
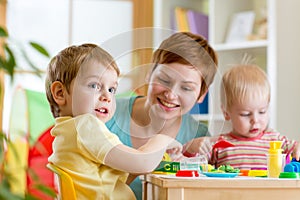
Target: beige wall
x,y
288,73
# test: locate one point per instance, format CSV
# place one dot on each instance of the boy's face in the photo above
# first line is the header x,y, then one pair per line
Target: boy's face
x,y
173,89
93,91
249,119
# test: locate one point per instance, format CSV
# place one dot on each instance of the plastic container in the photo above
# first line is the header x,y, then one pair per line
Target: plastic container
x,y
276,163
198,163
275,159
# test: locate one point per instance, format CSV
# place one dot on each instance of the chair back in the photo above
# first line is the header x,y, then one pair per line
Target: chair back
x,y
65,185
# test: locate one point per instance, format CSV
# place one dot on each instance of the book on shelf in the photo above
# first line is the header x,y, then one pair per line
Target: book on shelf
x,y
183,19
201,108
198,23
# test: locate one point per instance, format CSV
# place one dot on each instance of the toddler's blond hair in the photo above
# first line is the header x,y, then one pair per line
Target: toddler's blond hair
x,y
243,83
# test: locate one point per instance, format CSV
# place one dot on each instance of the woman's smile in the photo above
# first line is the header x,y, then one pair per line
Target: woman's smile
x,y
167,106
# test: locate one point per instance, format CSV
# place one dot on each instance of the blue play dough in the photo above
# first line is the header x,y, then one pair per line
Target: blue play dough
x,y
293,166
289,168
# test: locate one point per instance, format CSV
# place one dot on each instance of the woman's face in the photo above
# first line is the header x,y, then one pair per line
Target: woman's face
x,y
173,90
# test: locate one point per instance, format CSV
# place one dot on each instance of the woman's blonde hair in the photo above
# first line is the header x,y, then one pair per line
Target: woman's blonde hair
x,y
243,83
66,64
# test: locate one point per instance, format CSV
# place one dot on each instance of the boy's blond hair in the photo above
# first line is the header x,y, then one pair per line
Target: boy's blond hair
x,y
65,65
242,84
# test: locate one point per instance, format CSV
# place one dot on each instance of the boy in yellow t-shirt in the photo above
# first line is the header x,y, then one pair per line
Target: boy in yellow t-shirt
x,y
80,85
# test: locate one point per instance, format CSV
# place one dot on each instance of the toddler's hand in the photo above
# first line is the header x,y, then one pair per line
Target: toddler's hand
x,y
201,145
296,152
206,146
175,147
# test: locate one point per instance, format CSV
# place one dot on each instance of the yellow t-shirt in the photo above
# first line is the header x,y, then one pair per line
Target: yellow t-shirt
x,y
79,148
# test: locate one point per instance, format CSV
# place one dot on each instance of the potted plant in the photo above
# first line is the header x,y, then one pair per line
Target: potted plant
x,y
8,64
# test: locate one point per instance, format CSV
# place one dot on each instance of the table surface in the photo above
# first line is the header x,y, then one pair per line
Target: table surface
x,y
240,188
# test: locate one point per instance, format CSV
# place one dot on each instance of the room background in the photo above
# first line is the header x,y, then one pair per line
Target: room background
x,y
59,23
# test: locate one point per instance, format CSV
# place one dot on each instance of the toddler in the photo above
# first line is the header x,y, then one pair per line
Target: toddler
x,y
245,98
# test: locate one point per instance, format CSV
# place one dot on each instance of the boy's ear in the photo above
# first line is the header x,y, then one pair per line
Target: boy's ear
x,y
225,113
201,98
58,93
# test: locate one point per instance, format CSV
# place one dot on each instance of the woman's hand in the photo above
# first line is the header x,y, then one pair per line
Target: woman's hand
x,y
175,150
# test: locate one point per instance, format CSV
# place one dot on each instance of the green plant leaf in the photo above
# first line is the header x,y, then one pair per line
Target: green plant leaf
x,y
2,63
40,49
3,32
46,190
10,61
5,192
36,69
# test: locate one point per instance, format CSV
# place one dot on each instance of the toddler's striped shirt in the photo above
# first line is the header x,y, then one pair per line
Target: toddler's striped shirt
x,y
249,152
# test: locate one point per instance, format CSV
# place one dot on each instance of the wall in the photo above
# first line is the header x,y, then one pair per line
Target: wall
x,y
288,74
57,24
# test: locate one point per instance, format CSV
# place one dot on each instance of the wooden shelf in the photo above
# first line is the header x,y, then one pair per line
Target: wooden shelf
x,y
241,45
220,12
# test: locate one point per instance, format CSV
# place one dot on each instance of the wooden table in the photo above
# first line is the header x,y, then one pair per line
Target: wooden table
x,y
158,187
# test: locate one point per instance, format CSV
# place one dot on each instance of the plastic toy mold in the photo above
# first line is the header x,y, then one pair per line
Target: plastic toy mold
x,y
293,166
187,173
